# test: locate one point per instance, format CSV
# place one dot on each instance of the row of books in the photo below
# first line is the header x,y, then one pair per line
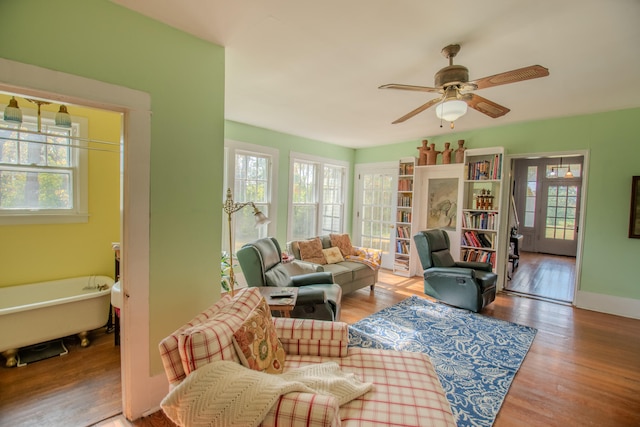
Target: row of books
x,y
478,240
478,256
403,216
406,169
405,184
403,232
405,200
402,247
484,169
480,220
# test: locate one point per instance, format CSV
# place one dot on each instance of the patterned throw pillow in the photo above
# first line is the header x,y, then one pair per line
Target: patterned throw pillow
x,y
333,255
343,242
311,251
257,344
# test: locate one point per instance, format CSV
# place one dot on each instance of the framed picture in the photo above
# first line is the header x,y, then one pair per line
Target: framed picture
x,y
443,202
634,220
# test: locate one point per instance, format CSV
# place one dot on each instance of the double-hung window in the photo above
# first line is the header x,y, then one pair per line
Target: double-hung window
x,y
250,176
43,178
318,194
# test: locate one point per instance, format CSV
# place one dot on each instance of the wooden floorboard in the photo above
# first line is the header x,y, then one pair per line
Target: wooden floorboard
x,y
583,369
545,276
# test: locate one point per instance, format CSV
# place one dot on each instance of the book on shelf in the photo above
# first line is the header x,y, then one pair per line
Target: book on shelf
x,y
402,247
403,232
406,169
477,240
405,200
405,184
479,220
403,216
484,169
477,255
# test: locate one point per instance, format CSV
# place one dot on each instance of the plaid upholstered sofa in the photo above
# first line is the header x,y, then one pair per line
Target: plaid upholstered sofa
x,y
405,389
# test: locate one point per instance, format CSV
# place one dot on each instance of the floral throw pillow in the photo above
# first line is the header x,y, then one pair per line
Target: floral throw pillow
x,y
257,343
333,255
343,242
311,251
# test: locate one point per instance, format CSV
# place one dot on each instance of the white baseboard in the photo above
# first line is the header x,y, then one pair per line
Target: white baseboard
x,y
619,306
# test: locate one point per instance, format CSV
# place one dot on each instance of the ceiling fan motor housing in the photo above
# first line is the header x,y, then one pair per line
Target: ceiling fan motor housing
x,y
451,75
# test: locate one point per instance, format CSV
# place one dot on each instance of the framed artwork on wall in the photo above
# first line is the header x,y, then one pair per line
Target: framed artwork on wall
x,y
634,220
443,202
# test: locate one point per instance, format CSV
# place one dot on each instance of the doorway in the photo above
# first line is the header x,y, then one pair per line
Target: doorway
x,y
545,225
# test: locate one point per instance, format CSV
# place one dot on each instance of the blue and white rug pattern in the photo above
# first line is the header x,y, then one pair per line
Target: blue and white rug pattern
x,y
476,357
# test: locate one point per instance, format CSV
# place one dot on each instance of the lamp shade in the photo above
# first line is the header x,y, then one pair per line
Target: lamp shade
x,y
12,113
63,119
451,110
260,218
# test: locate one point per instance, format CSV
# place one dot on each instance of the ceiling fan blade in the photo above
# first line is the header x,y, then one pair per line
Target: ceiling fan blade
x,y
410,87
420,109
485,106
513,76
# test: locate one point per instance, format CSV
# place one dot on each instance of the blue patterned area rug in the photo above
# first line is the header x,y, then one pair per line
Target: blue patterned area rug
x,y
475,356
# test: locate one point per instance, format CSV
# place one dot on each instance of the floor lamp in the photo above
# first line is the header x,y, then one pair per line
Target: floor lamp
x,y
231,207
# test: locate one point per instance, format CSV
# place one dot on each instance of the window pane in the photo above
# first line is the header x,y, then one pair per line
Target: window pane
x,y
304,224
245,229
35,190
251,184
304,178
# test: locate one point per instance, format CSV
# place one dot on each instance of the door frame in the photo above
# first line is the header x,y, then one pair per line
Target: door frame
x,y
506,200
357,204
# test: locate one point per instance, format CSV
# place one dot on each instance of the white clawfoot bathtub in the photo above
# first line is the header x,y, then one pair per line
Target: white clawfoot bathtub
x,y
38,312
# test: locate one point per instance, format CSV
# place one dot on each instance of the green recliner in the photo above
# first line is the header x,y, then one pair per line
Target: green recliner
x,y
318,296
468,285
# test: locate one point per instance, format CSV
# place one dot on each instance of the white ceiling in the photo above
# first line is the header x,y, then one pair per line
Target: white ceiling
x,y
312,67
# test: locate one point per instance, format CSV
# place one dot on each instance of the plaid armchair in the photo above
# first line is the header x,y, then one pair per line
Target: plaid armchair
x,y
406,390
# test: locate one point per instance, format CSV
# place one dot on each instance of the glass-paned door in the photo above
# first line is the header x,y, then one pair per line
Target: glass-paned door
x,y
559,234
374,213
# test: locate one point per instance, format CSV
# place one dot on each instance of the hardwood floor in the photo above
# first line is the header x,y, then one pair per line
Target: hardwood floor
x,y
80,388
583,369
546,276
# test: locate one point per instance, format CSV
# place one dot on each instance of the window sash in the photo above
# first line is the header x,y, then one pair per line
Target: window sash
x,y
43,179
317,201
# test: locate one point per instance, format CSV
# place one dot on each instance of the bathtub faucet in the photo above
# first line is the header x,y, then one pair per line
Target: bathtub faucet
x,y
95,287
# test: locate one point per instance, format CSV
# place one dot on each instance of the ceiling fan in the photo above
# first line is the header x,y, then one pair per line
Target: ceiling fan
x,y
453,84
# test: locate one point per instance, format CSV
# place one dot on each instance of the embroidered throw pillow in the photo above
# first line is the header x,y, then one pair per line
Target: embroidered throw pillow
x,y
257,344
311,251
343,242
333,255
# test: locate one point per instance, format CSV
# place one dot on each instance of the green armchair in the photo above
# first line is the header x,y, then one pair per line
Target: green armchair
x,y
468,285
318,296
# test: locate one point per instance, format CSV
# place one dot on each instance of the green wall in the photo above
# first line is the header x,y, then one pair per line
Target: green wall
x,y
286,143
185,79
609,256
41,252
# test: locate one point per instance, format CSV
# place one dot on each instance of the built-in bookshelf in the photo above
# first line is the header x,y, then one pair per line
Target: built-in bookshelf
x,y
480,217
402,264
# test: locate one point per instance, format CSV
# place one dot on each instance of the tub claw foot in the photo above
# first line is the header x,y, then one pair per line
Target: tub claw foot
x,y
10,355
84,340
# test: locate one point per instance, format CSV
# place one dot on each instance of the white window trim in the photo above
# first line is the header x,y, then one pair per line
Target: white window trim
x,y
80,212
294,156
230,148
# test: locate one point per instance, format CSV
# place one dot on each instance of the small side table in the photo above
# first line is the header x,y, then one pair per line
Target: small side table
x,y
281,305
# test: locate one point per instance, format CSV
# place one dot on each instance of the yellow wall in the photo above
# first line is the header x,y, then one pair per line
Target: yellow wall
x,y
35,253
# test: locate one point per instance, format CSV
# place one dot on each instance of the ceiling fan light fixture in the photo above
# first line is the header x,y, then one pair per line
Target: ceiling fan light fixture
x,y
451,110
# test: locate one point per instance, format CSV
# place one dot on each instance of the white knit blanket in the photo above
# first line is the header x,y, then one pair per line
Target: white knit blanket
x,y
228,394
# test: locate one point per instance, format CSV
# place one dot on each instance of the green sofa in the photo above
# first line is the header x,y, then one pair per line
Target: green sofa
x,y
355,272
